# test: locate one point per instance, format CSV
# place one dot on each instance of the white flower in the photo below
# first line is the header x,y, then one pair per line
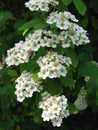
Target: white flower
x,y
52,18
43,73
23,51
62,19
20,98
45,95
87,78
73,35
26,86
62,71
77,34
53,65
54,108
43,5
57,121
63,25
17,55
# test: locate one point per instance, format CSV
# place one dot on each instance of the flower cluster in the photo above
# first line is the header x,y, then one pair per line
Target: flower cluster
x,y
81,102
62,19
42,38
43,5
54,108
53,65
73,33
26,86
23,50
32,41
17,55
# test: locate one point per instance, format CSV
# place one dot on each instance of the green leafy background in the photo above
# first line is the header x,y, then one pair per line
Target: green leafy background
x,y
16,22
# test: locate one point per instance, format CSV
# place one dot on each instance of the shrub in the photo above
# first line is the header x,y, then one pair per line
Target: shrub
x,y
50,70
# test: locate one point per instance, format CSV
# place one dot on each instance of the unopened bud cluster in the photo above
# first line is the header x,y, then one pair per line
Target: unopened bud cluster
x,y
81,101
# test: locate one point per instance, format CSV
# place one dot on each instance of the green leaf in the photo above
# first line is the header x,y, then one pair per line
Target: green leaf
x,y
5,16
35,23
92,99
83,57
80,6
38,99
62,7
35,77
97,97
54,86
66,2
94,5
19,23
12,73
94,22
36,119
37,116
72,109
72,54
84,22
89,69
68,82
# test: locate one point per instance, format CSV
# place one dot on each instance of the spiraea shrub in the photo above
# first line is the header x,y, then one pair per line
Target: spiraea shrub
x,y
51,73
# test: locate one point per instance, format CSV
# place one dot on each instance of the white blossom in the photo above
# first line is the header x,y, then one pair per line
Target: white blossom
x,y
87,78
73,35
17,55
53,65
71,32
62,19
24,49
26,86
54,108
43,5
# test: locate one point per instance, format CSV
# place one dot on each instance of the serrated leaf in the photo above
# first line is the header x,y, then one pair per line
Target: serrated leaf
x,y
54,86
80,6
72,54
